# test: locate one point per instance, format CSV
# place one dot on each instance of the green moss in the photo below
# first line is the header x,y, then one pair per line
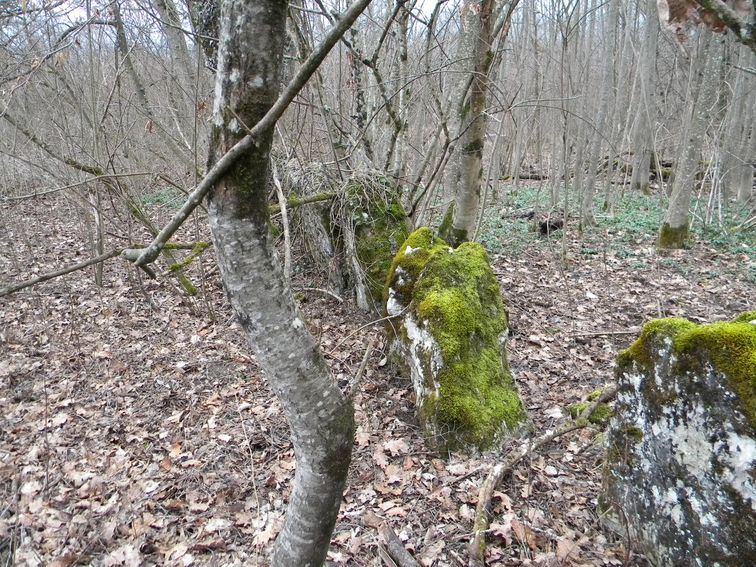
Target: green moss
x,y
670,237
197,249
729,346
447,231
377,242
406,267
475,147
600,416
458,300
446,222
746,317
651,340
732,349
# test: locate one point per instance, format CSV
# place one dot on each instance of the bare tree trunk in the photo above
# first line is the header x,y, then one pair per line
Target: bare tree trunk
x,y
701,90
600,130
475,56
643,144
736,148
252,37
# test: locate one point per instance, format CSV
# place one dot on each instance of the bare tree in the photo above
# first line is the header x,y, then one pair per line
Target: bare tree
x,y
251,45
646,114
475,56
701,91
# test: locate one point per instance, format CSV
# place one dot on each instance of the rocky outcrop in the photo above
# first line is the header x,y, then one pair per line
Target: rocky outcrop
x,y
680,478
448,331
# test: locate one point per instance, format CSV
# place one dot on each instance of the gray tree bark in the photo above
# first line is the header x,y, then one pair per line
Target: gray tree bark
x,y
644,128
701,92
251,44
475,56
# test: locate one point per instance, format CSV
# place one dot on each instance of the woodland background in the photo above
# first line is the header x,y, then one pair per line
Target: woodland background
x,y
136,427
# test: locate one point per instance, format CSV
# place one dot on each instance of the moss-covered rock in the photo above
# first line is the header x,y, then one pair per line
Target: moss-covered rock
x,y
378,233
681,461
448,335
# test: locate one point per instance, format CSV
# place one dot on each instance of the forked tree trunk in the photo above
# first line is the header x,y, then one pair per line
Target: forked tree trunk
x,y
251,46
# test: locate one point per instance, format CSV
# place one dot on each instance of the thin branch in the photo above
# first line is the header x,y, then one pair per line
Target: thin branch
x,y
72,185
51,275
358,377
395,548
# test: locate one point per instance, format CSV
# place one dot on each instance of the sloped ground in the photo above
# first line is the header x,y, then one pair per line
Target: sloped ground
x,y
135,428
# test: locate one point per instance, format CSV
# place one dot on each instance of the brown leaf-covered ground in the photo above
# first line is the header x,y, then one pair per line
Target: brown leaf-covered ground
x,y
136,429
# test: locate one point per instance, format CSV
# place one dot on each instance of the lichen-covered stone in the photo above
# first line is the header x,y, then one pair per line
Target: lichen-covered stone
x,y
448,334
680,478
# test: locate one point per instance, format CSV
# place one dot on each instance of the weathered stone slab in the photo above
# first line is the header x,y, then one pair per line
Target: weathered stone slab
x,y
680,478
448,335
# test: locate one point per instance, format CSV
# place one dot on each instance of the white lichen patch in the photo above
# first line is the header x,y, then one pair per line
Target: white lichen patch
x,y
683,477
393,306
422,347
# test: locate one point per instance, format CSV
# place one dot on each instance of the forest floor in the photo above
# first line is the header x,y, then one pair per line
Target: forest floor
x,y
136,429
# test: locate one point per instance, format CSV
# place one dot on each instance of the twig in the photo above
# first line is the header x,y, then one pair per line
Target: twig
x,y
336,297
478,543
358,377
284,221
396,549
605,333
62,272
72,185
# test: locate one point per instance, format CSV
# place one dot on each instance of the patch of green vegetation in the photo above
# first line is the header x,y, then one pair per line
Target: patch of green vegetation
x,y
377,242
165,196
637,219
600,415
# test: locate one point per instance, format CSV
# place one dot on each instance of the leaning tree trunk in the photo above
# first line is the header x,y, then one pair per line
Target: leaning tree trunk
x,y
251,44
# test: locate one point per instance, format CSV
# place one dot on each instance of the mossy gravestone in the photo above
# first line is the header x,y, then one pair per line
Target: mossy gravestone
x,y
448,331
680,479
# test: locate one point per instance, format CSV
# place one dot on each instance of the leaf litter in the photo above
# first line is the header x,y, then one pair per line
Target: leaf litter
x,y
136,428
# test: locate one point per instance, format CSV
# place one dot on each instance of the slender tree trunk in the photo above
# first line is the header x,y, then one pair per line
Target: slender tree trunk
x,y
644,127
737,152
475,56
251,43
701,90
601,130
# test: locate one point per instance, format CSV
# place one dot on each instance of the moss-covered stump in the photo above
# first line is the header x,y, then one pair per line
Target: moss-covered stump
x,y
680,477
379,228
448,334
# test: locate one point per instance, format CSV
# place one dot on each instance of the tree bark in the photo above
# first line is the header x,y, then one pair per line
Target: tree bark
x,y
644,127
250,54
475,56
701,90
